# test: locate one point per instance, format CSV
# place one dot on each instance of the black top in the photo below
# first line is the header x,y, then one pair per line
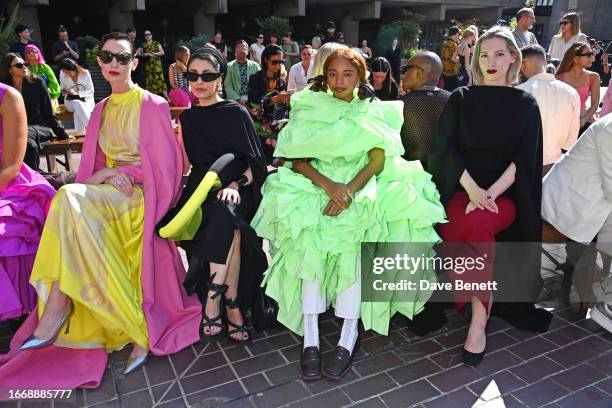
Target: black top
x,y
393,56
19,47
59,47
483,129
220,46
211,131
38,106
422,109
260,85
384,95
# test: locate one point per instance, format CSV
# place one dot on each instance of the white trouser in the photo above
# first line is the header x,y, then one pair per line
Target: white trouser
x,y
81,112
348,303
587,262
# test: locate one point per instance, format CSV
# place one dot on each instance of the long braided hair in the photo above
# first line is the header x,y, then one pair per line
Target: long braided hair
x,y
365,91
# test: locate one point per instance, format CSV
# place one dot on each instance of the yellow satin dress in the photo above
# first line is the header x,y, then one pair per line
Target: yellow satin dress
x,y
92,243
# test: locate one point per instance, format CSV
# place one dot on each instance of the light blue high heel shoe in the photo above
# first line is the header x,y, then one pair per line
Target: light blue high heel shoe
x,y
135,363
34,342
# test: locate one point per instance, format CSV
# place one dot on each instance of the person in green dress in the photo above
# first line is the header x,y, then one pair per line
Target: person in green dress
x,y
344,183
152,53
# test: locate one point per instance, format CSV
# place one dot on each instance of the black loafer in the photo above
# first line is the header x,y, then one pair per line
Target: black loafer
x,y
339,362
472,359
311,364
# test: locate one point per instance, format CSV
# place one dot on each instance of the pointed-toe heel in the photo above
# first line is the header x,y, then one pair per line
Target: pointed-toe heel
x,y
34,342
135,363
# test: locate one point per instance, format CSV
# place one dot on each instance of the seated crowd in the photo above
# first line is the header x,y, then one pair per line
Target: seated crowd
x,y
367,156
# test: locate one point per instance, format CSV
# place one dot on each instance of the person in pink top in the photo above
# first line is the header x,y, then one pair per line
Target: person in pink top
x,y
606,104
25,197
573,70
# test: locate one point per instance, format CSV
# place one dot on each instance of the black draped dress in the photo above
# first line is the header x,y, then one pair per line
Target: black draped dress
x,y
208,133
483,129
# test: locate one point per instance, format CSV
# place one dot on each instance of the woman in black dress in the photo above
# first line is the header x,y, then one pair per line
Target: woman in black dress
x,y
486,160
39,110
225,256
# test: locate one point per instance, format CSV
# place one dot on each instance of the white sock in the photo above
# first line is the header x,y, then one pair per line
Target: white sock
x,y
311,330
348,336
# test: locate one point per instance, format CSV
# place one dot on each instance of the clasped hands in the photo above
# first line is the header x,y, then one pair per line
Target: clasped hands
x,y
481,199
340,198
114,177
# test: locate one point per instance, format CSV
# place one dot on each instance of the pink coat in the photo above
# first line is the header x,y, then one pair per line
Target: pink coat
x,y
173,318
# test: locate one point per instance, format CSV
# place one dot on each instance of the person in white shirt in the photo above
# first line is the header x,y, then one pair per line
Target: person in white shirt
x,y
257,48
525,18
569,33
559,105
577,201
78,91
300,72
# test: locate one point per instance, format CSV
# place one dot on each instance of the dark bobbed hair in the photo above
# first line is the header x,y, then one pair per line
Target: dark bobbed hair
x,y
269,51
69,64
117,36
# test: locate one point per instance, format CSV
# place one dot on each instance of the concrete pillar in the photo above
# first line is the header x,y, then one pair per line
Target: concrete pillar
x,y
121,13
365,10
292,8
432,13
204,18
350,29
28,11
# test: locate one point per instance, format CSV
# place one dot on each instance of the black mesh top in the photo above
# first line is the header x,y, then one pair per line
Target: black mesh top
x,y
422,109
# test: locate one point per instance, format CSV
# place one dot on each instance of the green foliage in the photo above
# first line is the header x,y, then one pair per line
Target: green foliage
x,y
7,30
512,23
91,55
195,42
278,26
87,42
530,3
409,52
407,31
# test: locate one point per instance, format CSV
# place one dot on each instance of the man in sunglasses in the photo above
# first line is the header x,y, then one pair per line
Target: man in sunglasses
x,y
23,32
423,104
257,48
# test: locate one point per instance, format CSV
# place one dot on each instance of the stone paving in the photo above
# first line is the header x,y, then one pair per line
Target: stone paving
x,y
569,366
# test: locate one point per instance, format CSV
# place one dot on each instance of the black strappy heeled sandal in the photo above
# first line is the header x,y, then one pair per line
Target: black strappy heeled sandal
x,y
216,321
238,328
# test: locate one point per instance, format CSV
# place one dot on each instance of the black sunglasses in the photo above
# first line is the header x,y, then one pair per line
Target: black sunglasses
x,y
260,37
19,65
585,54
276,62
205,76
564,22
122,58
407,67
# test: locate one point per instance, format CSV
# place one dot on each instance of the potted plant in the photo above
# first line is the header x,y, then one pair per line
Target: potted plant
x,y
91,45
7,30
195,42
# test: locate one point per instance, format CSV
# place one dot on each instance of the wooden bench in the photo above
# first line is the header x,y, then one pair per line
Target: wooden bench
x,y
57,148
63,115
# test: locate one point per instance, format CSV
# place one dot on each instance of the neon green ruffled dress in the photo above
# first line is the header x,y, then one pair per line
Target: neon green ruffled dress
x,y
401,204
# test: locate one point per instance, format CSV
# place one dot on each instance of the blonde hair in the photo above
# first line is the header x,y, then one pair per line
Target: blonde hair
x,y
515,67
322,54
471,31
316,42
574,18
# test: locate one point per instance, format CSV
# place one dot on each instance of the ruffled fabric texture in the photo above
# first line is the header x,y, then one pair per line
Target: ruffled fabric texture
x,y
399,205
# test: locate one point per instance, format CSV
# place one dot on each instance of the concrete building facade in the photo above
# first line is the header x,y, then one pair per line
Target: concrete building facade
x,y
170,20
